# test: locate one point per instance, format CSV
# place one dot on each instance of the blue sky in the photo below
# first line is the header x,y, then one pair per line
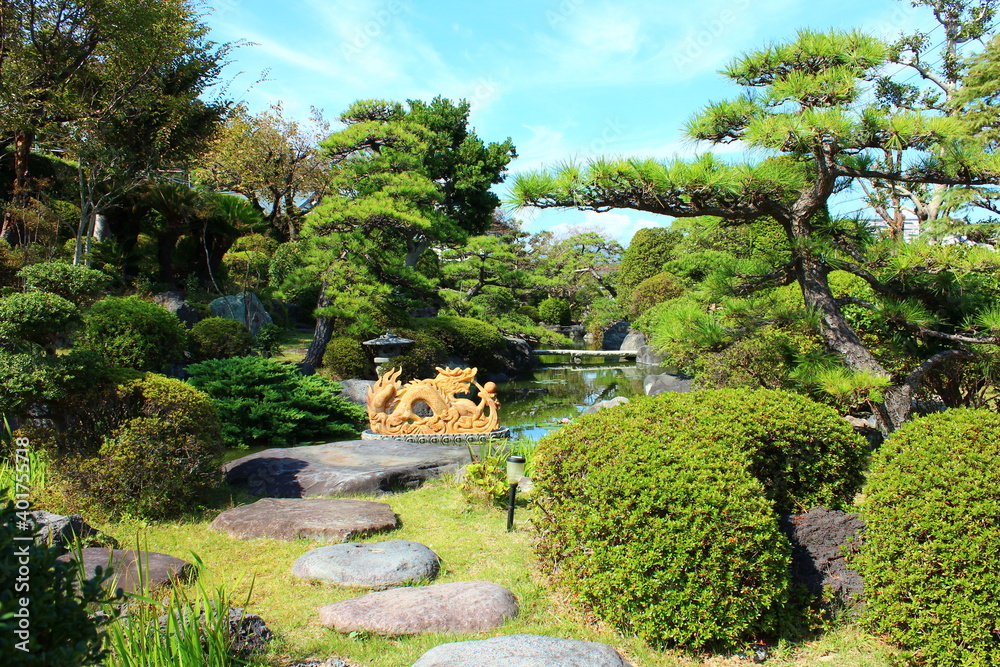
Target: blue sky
x,y
565,79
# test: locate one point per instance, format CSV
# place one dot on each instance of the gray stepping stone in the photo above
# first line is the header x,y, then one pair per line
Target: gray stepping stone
x,y
133,570
354,467
465,606
321,519
377,565
522,651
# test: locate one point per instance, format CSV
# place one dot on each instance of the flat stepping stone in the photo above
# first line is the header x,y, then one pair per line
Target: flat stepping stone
x,y
133,570
321,519
522,651
354,467
378,565
465,606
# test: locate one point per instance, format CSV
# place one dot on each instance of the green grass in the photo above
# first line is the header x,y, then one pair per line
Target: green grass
x,y
473,545
293,339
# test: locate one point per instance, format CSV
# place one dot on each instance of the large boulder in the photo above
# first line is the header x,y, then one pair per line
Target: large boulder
x,y
522,651
175,303
133,570
518,358
633,341
820,538
648,356
244,307
354,467
378,565
658,384
466,606
63,531
614,336
321,519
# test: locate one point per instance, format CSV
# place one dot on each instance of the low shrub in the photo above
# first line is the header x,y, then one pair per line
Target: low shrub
x,y
36,318
651,291
132,333
268,340
77,283
264,402
659,532
60,628
426,354
554,311
475,341
219,338
931,551
345,358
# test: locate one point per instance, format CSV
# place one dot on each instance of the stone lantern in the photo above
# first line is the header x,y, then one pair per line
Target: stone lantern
x,y
387,347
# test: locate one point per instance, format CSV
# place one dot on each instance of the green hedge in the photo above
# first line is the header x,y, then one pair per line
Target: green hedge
x,y
345,358
554,311
132,333
931,551
219,338
76,283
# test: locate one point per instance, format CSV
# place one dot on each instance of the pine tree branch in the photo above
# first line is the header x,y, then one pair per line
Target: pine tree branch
x,y
960,338
914,378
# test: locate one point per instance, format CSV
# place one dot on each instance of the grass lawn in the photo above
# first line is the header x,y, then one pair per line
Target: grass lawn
x,y
473,545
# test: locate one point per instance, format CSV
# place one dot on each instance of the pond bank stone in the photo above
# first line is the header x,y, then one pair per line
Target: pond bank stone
x,y
322,519
353,467
376,565
658,384
522,651
465,606
133,568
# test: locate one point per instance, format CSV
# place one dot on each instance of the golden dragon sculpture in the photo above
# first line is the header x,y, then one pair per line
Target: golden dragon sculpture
x,y
391,405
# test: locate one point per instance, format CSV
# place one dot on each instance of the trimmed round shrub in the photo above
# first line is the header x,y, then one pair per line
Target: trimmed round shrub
x,y
38,318
219,338
426,354
662,534
931,551
132,333
265,402
345,358
554,311
475,341
76,283
651,291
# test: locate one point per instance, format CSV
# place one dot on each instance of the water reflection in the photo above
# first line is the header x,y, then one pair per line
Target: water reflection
x,y
535,404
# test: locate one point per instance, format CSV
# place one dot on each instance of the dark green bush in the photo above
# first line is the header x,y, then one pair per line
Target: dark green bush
x,y
264,402
530,312
61,630
132,333
554,311
77,283
659,532
651,291
268,339
219,338
36,318
345,358
931,552
475,341
427,353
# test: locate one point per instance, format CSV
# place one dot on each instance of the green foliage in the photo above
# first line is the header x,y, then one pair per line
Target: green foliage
x,y
554,310
485,479
427,353
653,290
931,551
77,283
264,402
345,358
219,338
58,628
132,333
268,339
660,530
645,256
36,318
475,341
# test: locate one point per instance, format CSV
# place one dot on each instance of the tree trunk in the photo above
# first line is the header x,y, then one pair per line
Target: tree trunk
x,y
322,333
414,249
13,223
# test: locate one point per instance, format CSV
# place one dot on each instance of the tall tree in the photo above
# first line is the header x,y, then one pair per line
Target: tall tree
x,y
403,178
808,102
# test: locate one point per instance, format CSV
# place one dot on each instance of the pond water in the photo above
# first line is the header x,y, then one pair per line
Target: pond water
x,y
534,404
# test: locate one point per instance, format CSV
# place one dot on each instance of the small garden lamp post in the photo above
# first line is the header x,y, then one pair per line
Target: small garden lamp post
x,y
385,348
515,471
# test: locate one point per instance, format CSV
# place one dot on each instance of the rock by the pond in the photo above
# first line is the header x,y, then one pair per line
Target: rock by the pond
x,y
522,651
646,355
61,531
356,391
133,570
600,405
633,341
376,565
614,336
244,307
175,303
354,467
819,538
466,606
321,519
657,384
